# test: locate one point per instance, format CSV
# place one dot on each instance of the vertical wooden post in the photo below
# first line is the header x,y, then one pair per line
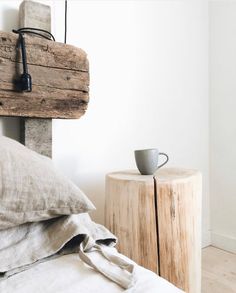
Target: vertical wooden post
x,y
36,133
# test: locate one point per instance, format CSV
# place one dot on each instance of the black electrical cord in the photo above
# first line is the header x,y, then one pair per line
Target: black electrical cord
x,y
23,52
31,30
25,82
25,79
65,22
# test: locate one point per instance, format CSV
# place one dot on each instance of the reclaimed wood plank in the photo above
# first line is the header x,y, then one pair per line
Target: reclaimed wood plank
x,y
60,79
44,52
57,78
71,104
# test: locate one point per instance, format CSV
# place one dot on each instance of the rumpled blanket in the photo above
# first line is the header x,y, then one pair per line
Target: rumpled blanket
x,y
26,245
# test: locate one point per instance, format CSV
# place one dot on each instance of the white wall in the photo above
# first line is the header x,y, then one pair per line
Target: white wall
x,y
223,123
149,88
9,20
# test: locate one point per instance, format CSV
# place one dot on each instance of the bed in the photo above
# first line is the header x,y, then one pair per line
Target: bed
x,y
69,274
48,242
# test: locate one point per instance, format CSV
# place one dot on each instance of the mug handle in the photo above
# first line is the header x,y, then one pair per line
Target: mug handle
x,y
167,159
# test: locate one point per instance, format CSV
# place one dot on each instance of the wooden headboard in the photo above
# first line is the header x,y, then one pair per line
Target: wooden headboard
x,y
60,79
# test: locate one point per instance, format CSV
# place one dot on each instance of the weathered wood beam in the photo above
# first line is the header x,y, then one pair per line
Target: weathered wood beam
x,y
45,53
60,76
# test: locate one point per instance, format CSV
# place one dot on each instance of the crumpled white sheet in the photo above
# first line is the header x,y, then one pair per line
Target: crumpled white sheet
x,y
69,274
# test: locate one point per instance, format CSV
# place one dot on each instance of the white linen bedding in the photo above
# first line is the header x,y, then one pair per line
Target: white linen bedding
x,y
69,254
69,274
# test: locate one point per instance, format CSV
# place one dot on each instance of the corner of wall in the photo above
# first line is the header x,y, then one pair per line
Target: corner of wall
x,y
206,238
224,242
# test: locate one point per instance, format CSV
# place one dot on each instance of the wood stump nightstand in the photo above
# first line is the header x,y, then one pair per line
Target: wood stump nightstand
x,y
158,222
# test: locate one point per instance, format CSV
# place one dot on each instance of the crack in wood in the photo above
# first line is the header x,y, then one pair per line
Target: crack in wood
x,y
53,67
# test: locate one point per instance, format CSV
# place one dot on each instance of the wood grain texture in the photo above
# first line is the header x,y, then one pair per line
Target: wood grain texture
x,y
178,214
44,52
179,218
35,133
130,214
35,14
218,271
60,75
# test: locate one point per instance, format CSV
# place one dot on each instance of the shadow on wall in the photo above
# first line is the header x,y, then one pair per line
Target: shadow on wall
x,y
10,19
92,184
10,126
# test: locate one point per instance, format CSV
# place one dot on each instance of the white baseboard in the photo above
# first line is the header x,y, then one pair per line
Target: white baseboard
x,y
224,242
206,238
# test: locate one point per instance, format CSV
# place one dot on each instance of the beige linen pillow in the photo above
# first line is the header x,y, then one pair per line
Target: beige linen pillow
x,y
32,190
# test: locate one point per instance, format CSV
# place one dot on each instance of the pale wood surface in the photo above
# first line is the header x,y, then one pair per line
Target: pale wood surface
x,y
218,271
179,218
60,77
130,214
178,194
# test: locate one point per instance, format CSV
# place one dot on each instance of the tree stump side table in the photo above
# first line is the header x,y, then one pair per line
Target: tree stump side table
x,y
158,222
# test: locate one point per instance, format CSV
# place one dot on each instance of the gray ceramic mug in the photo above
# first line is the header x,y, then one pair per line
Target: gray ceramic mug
x,y
147,160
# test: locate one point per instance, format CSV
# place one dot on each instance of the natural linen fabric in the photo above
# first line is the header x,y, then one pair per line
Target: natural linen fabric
x,y
31,189
32,243
68,274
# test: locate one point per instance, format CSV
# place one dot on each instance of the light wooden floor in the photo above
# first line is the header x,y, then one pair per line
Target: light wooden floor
x,y
218,271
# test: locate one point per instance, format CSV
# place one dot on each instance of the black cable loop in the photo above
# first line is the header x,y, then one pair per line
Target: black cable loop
x,y
25,81
31,30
